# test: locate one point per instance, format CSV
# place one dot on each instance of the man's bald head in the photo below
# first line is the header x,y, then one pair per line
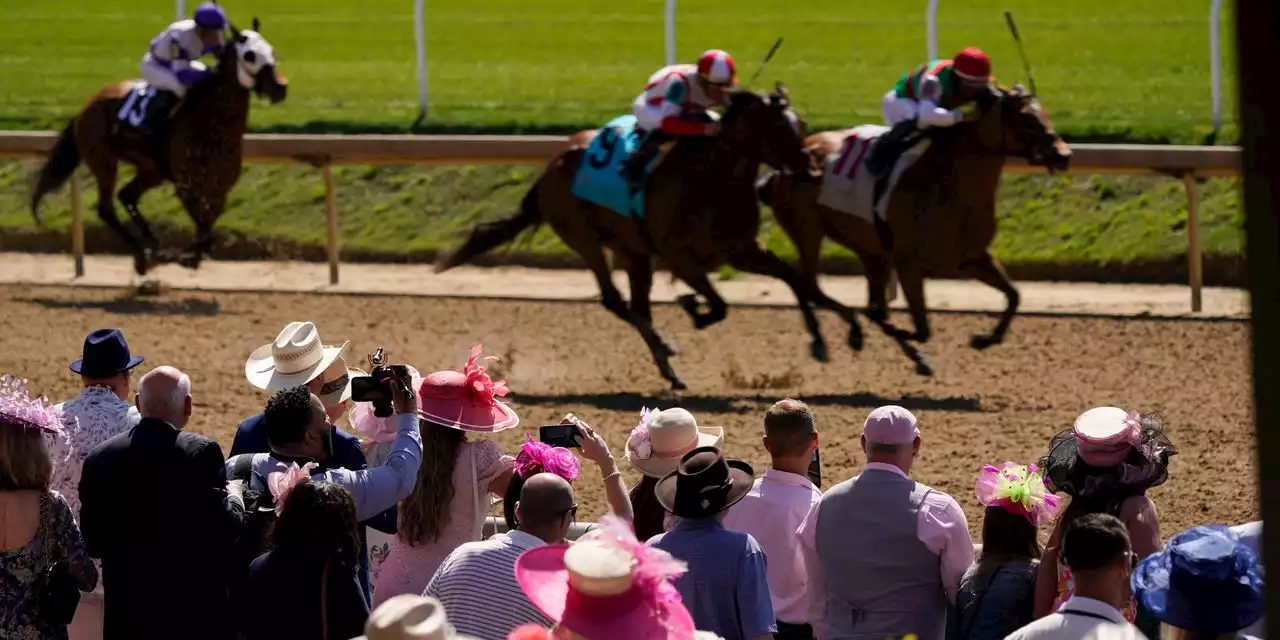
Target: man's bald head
x,y
165,394
544,500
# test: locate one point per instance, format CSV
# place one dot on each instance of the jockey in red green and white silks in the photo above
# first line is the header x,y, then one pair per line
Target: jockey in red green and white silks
x,y
172,62
935,94
677,101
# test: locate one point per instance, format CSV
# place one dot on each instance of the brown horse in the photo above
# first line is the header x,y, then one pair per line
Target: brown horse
x,y
940,217
199,151
701,211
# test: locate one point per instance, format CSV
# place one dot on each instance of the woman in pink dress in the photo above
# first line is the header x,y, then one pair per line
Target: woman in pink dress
x,y
1105,463
451,498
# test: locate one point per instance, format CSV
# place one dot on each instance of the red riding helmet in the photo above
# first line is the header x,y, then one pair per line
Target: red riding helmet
x,y
717,67
972,64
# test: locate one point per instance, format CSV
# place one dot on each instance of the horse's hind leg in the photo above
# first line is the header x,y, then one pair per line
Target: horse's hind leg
x,y
104,171
696,278
989,271
131,194
765,262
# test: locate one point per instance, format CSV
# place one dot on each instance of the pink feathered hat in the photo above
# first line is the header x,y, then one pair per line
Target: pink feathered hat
x,y
612,586
19,409
467,399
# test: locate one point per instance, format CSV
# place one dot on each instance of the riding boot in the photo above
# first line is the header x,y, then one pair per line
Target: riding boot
x,y
156,118
888,147
634,167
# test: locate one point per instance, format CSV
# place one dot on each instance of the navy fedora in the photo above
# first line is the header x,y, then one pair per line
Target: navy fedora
x,y
1205,580
105,354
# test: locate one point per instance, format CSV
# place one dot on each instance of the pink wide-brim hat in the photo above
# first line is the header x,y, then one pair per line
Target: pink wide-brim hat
x,y
544,578
444,399
372,427
1105,436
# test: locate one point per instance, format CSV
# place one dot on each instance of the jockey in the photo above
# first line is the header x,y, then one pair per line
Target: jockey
x,y
676,102
172,63
936,94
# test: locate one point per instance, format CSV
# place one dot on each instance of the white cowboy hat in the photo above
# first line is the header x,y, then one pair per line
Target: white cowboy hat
x,y
672,433
410,617
295,357
336,382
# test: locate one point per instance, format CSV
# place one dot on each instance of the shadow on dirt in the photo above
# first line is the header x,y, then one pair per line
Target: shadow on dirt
x,y
132,305
633,402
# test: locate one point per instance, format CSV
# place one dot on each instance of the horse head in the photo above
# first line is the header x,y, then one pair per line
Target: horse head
x,y
254,60
768,127
1014,123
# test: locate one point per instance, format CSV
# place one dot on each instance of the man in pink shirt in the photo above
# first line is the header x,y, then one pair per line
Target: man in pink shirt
x,y
884,553
776,506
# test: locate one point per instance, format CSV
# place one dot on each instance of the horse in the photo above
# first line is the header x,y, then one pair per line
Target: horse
x,y
199,149
701,211
939,218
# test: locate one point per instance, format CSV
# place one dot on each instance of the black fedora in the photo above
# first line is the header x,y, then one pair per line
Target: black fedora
x,y
105,354
704,484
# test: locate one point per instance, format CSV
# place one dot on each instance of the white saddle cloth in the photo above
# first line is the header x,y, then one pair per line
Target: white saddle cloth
x,y
847,185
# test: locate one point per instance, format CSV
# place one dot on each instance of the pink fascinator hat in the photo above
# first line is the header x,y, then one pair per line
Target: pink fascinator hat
x,y
611,586
281,483
1018,489
539,457
19,409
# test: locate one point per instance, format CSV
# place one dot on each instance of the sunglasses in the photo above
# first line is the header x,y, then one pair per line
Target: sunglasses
x,y
572,511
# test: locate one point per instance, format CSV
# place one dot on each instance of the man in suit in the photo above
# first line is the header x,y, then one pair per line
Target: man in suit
x,y
155,510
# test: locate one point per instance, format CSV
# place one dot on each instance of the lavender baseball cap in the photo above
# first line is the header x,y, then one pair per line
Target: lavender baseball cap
x,y
890,424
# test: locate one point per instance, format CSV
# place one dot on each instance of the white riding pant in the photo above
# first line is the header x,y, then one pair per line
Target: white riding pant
x,y
924,112
648,116
166,77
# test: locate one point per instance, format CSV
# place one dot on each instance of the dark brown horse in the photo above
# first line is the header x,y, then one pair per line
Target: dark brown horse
x,y
200,151
940,218
701,212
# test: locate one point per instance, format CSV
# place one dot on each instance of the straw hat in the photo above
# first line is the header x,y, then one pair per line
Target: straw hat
x,y
655,447
410,617
295,357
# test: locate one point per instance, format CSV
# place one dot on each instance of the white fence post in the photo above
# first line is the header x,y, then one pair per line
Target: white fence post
x,y
669,28
420,40
931,29
180,6
1215,61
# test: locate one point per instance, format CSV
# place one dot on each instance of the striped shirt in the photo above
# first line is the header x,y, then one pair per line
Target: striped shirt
x,y
477,586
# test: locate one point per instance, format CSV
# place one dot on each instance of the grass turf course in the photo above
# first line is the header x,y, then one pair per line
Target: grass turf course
x,y
1136,71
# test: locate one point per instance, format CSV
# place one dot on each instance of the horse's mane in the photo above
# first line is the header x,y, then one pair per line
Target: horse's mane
x,y
739,100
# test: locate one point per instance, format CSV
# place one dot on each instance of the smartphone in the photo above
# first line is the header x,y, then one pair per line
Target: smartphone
x,y
368,389
815,469
559,435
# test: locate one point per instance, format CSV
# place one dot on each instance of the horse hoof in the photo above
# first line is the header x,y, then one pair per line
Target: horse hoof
x,y
877,314
923,369
677,384
819,352
855,340
982,341
141,263
190,260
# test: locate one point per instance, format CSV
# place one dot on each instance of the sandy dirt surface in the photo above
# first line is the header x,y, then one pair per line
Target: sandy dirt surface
x,y
982,407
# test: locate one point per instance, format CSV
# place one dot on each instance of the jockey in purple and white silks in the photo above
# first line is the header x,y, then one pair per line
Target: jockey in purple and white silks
x,y
172,63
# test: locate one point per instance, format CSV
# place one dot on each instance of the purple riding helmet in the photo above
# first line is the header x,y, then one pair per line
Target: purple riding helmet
x,y
210,16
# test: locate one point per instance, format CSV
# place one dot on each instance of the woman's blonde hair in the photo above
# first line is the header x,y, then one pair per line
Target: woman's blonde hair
x,y
425,513
24,459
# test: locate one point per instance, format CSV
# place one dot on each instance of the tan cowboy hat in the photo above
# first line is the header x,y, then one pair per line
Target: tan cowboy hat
x,y
671,434
295,357
410,617
335,382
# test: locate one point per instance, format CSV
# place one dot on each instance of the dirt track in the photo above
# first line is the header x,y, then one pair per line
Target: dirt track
x,y
981,407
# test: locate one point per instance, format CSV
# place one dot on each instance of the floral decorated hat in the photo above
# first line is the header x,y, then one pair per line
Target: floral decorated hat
x,y
467,399
1018,489
663,437
19,409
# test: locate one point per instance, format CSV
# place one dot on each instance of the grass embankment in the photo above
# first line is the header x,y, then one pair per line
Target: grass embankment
x,y
1132,72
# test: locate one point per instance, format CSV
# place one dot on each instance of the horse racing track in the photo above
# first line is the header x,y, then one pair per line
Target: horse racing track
x,y
984,407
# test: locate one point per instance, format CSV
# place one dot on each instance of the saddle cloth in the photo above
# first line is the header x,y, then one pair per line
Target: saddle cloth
x,y
848,187
600,181
133,109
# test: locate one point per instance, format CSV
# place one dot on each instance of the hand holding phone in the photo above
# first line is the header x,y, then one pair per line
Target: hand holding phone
x,y
559,435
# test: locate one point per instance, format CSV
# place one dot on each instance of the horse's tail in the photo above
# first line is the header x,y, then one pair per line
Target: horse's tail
x,y
491,235
764,187
62,162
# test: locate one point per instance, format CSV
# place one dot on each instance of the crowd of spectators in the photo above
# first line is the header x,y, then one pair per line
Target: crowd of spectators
x,y
116,522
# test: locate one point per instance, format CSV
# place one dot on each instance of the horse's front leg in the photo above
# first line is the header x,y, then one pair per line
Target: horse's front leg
x,y
204,211
989,271
146,179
